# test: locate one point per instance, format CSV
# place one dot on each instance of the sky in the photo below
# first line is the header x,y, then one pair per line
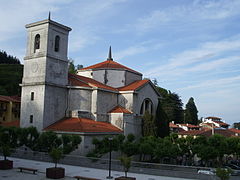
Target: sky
x,y
191,47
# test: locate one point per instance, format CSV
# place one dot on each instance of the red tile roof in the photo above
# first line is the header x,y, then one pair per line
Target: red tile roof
x,y
77,80
134,86
221,123
212,117
83,125
208,132
11,124
235,130
109,64
10,98
189,125
120,109
171,125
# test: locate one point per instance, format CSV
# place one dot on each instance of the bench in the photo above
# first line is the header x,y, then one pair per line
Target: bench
x,y
27,169
85,178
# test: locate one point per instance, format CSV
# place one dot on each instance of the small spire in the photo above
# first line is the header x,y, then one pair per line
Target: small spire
x,y
49,15
110,55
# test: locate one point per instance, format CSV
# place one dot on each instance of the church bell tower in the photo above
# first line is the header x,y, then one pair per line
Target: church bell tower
x,y
45,77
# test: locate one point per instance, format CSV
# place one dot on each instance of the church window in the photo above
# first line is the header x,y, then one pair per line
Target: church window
x,y
57,43
147,105
32,96
37,42
31,119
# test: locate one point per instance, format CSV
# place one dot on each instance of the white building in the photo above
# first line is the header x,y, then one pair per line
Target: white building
x,y
106,98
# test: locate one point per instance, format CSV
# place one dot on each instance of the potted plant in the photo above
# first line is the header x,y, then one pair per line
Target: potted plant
x,y
6,164
55,172
223,173
126,162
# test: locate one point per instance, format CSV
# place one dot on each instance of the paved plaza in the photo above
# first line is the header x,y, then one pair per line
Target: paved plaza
x,y
70,171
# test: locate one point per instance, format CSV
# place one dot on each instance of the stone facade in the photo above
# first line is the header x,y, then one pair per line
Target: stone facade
x,y
107,92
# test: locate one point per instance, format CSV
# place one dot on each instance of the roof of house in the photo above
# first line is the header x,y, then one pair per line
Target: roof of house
x,y
235,130
212,117
83,125
10,98
208,132
189,125
209,125
11,124
77,80
134,85
221,123
172,125
120,109
109,64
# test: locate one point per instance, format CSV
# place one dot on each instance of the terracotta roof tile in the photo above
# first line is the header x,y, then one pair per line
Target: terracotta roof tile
x,y
134,86
212,117
83,125
10,98
109,64
221,123
120,109
171,125
234,130
11,124
189,125
208,132
78,80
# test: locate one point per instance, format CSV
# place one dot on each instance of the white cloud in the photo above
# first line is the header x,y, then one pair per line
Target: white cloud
x,y
179,63
188,13
217,83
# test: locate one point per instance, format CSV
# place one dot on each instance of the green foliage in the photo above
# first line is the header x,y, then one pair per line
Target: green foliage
x,y
223,173
6,150
10,78
161,122
172,105
148,125
56,154
8,59
236,125
191,112
126,162
72,68
28,137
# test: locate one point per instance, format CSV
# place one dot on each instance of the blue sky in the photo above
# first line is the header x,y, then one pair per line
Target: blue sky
x,y
192,47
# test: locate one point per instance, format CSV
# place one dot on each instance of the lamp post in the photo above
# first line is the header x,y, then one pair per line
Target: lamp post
x,y
110,158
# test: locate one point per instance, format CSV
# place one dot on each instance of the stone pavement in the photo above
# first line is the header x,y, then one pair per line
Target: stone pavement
x,y
70,171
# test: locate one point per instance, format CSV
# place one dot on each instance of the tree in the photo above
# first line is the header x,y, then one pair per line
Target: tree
x,y
236,125
148,125
126,162
71,68
191,112
8,59
161,122
223,174
56,154
172,105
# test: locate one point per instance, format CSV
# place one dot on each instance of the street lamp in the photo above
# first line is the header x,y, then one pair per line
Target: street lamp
x,y
110,158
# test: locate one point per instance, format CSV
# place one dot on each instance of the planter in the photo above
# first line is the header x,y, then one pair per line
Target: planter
x,y
6,164
125,178
55,173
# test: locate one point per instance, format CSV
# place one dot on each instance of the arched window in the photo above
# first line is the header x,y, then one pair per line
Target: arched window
x,y
37,42
147,105
57,43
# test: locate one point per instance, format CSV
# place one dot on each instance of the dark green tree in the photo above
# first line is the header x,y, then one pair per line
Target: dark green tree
x,y
161,122
191,112
148,125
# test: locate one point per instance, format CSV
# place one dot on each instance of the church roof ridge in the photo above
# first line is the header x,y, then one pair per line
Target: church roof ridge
x,y
109,64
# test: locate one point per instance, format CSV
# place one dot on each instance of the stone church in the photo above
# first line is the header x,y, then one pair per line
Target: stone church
x,y
102,99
